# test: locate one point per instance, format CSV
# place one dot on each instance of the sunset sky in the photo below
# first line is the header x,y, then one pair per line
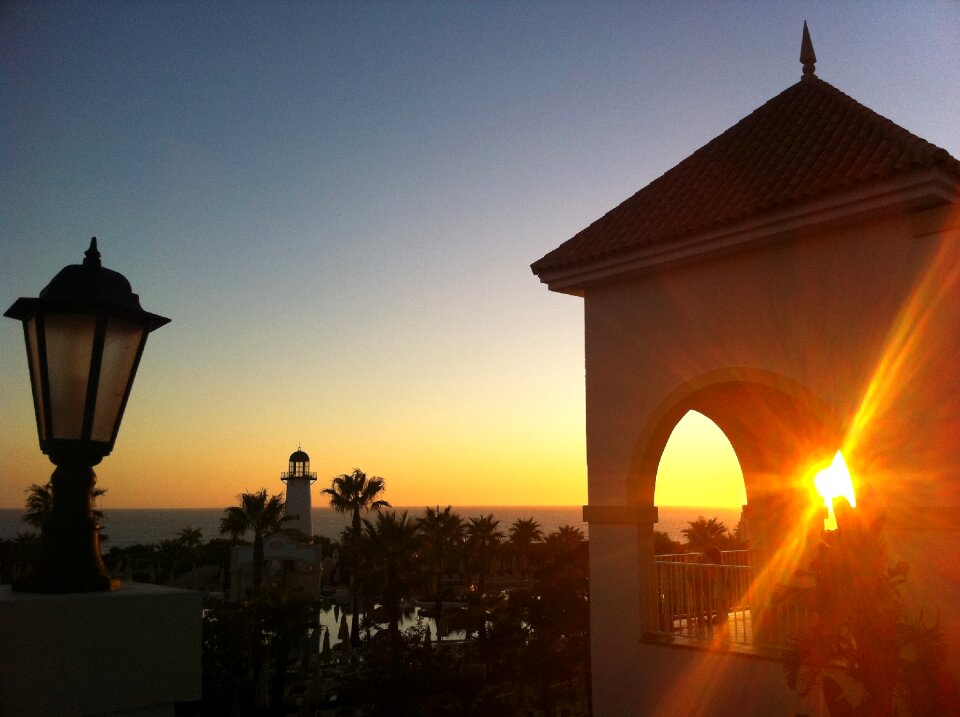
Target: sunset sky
x,y
337,205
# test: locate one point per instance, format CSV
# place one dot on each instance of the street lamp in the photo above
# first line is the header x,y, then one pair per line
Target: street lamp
x,y
85,335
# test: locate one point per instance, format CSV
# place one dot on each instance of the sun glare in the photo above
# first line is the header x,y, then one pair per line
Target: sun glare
x,y
834,482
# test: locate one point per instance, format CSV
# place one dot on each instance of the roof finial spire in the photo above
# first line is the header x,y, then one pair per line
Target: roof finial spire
x,y
91,257
807,56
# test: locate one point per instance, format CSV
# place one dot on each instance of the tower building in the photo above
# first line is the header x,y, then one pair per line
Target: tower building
x,y
288,560
806,252
298,480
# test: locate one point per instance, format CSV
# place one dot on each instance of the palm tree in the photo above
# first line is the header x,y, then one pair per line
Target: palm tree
x,y
188,540
189,537
562,544
286,618
442,530
556,614
392,544
702,534
255,513
39,503
566,557
27,552
352,493
567,535
483,537
523,532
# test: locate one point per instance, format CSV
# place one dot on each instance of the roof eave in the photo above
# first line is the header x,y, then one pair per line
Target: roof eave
x,y
913,192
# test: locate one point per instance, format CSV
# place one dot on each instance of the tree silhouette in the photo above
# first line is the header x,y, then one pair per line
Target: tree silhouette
x,y
392,544
523,532
442,531
483,538
565,551
566,537
189,537
556,613
703,533
352,493
663,544
39,503
256,513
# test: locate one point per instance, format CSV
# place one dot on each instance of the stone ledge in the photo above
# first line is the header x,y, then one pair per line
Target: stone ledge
x,y
737,648
621,514
134,650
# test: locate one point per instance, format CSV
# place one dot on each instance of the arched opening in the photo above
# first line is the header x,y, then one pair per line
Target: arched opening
x,y
698,479
776,432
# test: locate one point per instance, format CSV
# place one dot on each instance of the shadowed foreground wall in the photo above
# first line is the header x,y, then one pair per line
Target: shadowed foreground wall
x,y
133,651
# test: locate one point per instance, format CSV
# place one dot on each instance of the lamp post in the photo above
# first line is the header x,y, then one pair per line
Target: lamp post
x,y
84,336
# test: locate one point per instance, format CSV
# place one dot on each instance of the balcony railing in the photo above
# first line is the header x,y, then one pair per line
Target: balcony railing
x,y
722,603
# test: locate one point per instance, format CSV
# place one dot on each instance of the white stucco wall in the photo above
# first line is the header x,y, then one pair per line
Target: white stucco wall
x,y
817,311
681,682
861,321
299,504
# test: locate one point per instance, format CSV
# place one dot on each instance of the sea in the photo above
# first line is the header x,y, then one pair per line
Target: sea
x,y
129,526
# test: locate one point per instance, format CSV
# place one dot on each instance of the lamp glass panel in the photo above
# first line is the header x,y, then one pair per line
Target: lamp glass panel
x,y
69,339
120,346
33,358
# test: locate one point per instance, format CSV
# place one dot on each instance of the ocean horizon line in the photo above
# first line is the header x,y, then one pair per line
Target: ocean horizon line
x,y
408,506
127,526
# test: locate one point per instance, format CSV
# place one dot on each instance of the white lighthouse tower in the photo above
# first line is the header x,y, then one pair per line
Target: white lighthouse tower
x,y
298,480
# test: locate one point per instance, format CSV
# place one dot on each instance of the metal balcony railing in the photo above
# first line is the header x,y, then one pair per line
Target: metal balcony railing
x,y
721,603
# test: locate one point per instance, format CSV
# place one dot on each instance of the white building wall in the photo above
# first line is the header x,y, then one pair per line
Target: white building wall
x,y
299,503
822,311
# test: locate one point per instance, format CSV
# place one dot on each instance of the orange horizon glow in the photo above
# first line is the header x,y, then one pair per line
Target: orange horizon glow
x,y
530,468
456,466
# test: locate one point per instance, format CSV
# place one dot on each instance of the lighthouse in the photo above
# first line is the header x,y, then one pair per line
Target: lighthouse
x,y
298,480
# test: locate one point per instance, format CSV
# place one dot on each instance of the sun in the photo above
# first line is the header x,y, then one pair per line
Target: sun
x,y
834,482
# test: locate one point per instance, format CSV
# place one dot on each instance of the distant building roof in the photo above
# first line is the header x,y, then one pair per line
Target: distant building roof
x,y
809,141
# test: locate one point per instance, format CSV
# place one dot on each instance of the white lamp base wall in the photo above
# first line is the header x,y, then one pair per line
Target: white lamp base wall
x,y
133,651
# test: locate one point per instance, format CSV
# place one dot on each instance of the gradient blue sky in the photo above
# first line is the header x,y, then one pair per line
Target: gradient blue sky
x,y
337,204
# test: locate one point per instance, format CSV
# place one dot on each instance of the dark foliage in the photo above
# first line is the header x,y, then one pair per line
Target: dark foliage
x,y
249,649
864,650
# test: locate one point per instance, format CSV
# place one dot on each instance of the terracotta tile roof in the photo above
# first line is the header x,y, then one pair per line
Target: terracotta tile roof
x,y
808,141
